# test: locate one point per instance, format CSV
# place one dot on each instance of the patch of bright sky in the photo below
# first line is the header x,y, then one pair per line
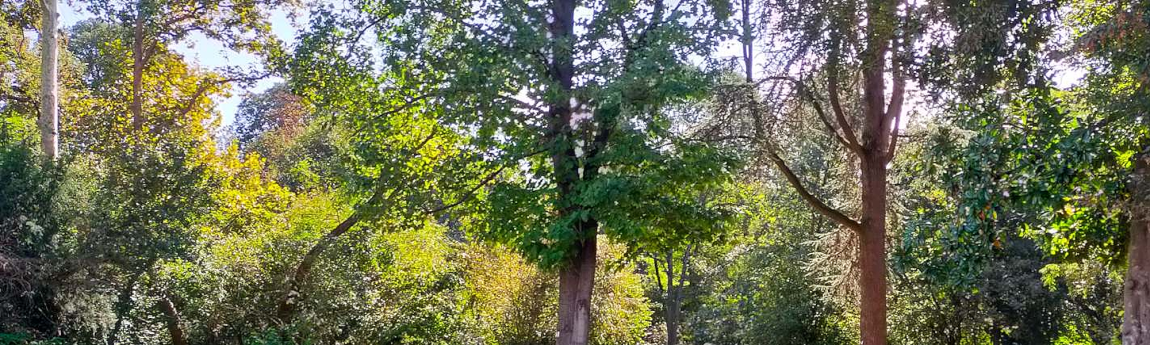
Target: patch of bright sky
x,y
211,54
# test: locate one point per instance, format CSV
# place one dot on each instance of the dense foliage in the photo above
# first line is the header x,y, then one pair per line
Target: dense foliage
x,y
533,172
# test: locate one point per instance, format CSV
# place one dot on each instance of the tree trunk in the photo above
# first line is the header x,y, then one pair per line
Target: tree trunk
x,y
138,60
122,307
876,150
289,304
872,250
175,329
1136,290
575,284
748,46
577,278
49,96
672,301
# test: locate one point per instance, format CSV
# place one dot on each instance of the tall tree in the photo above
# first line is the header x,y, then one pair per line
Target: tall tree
x,y
584,82
1076,157
404,164
1115,41
863,38
49,95
154,25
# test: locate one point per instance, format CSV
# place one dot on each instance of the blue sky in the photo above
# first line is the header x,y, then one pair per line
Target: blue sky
x,y
210,54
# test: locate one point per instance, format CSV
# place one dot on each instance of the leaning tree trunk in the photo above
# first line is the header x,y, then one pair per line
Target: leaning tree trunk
x,y
49,96
1136,290
172,318
293,295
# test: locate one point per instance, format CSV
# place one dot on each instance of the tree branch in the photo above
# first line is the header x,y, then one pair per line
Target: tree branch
x,y
287,307
470,193
806,93
837,108
814,201
897,97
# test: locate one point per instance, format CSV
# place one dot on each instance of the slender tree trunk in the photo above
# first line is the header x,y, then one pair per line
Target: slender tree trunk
x,y
673,301
748,39
138,60
175,328
1136,290
289,304
575,284
49,96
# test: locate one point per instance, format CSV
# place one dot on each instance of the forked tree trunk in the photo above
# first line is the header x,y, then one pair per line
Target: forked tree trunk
x,y
874,149
575,284
1136,290
49,96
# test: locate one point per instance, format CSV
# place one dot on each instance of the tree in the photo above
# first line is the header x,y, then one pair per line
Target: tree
x,y
1068,161
154,25
404,163
881,44
527,85
1112,37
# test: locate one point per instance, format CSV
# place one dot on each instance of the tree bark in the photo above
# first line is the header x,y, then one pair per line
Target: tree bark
x,y
672,301
872,250
1136,290
138,60
175,329
49,96
575,284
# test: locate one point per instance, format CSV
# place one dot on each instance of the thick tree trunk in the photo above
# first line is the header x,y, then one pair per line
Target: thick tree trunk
x,y
876,150
872,250
577,278
49,96
575,284
1136,291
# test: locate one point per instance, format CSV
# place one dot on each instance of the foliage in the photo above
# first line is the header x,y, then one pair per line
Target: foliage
x,y
429,127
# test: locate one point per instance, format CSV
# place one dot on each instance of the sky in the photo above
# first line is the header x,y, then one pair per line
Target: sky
x,y
210,54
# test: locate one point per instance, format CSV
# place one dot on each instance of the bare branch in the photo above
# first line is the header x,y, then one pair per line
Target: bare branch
x,y
814,201
837,108
806,93
897,97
